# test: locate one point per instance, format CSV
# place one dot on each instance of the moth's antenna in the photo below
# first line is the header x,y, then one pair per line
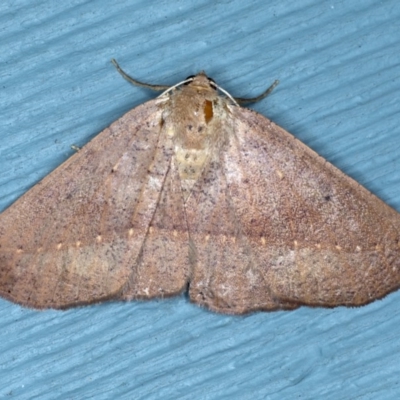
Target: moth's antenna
x,y
158,88
225,93
258,98
169,88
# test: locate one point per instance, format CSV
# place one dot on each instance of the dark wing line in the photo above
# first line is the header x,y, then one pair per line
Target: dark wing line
x,y
163,266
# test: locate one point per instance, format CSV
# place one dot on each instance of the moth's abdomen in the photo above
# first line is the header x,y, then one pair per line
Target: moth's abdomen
x,y
190,162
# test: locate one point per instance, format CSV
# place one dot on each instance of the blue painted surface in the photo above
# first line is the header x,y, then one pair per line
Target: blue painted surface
x,y
338,63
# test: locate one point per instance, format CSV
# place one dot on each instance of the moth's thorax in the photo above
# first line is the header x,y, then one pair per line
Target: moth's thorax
x,y
192,118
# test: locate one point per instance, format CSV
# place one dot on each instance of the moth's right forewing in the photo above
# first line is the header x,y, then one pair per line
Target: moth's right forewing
x,y
318,236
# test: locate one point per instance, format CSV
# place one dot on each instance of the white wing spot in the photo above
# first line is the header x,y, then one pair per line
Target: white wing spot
x,y
234,173
78,243
115,167
99,238
59,246
170,132
154,183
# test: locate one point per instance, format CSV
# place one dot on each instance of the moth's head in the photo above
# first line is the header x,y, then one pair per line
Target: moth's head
x,y
201,81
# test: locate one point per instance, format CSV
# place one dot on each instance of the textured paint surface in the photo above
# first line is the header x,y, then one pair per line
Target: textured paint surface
x,y
191,191
339,94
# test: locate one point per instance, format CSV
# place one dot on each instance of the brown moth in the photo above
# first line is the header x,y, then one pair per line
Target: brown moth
x,y
192,192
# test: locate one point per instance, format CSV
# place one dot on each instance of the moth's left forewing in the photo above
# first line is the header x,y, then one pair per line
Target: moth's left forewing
x,y
84,233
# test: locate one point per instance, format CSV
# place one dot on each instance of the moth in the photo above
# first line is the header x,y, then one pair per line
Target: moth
x,y
192,192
